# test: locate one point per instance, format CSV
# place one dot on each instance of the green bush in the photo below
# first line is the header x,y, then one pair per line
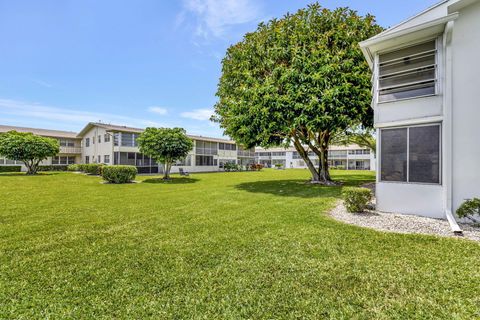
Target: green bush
x,y
119,174
230,167
93,169
356,199
53,168
10,168
469,208
73,167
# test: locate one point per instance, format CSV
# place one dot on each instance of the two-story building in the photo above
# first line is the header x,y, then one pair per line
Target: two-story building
x,y
351,157
114,144
70,146
426,109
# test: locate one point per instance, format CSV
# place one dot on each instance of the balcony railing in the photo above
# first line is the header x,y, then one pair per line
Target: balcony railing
x,y
71,150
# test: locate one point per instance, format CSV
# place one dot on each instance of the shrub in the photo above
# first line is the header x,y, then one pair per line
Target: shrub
x,y
230,167
74,167
356,199
119,174
10,168
256,166
469,208
93,169
53,168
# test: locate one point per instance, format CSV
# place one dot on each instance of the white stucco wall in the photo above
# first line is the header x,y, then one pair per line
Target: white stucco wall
x,y
410,198
466,105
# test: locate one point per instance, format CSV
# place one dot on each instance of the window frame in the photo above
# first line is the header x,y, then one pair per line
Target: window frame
x,y
437,86
440,153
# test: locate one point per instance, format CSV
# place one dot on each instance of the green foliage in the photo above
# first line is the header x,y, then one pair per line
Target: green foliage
x,y
28,148
356,199
119,174
230,167
298,79
363,137
93,168
53,168
74,167
10,168
469,209
165,145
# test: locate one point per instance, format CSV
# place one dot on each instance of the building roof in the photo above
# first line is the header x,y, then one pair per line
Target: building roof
x,y
119,128
427,23
41,132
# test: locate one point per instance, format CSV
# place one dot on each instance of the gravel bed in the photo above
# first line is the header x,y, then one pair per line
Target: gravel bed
x,y
401,223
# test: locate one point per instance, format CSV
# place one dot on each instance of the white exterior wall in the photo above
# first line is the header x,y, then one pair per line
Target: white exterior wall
x,y
466,106
97,149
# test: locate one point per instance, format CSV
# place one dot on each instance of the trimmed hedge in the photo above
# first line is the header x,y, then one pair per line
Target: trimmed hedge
x,y
73,167
119,174
93,169
53,168
10,168
356,199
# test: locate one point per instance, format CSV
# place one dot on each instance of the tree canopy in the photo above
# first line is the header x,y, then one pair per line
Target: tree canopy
x,y
297,80
165,145
28,148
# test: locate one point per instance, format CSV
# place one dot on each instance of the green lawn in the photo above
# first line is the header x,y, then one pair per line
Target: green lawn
x,y
255,245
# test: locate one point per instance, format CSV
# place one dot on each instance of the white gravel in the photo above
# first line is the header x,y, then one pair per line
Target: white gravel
x,y
401,223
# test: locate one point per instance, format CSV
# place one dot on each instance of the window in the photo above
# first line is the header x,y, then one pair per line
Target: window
x,y
66,143
87,142
63,160
106,158
99,139
227,146
99,159
206,147
106,137
407,73
93,140
411,154
87,159
129,139
116,138
204,160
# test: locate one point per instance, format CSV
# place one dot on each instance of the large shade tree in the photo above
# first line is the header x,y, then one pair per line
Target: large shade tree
x,y
28,148
298,80
165,145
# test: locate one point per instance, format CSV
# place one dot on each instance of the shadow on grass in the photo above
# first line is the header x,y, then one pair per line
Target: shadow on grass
x,y
290,188
171,181
22,174
303,188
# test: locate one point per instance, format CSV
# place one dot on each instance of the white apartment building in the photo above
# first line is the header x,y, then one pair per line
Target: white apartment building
x,y
70,146
114,144
350,157
426,105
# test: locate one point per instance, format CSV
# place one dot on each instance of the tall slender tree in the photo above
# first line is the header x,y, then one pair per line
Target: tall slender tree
x,y
297,80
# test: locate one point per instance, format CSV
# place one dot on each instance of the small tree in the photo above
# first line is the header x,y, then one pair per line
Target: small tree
x,y
28,148
298,80
165,145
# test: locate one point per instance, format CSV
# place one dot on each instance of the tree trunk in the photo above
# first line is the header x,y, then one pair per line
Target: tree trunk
x,y
323,142
166,172
32,166
301,151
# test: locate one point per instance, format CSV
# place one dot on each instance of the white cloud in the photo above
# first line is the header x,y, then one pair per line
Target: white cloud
x,y
43,83
158,110
198,114
29,110
214,17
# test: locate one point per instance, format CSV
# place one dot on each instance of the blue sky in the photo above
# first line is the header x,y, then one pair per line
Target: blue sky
x,y
139,63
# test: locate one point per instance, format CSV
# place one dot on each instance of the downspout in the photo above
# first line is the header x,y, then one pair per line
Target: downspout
x,y
448,129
